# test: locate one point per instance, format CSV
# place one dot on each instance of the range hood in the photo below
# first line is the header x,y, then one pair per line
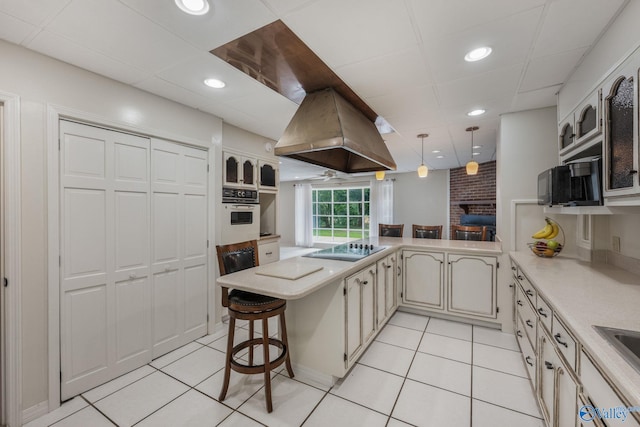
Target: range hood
x,y
328,131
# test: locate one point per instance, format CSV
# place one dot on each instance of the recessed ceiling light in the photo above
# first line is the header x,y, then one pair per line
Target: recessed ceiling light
x,y
435,151
477,112
476,154
477,54
193,7
439,157
215,83
475,147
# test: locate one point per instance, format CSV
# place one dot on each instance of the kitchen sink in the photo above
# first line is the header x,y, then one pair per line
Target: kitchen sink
x,y
625,341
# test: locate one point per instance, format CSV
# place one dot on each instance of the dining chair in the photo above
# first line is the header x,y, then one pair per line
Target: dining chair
x,y
390,230
468,232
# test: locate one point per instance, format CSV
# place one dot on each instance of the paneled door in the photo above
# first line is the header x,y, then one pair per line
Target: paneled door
x,y
179,244
105,286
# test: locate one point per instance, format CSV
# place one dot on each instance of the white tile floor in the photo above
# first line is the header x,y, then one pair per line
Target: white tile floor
x,y
419,371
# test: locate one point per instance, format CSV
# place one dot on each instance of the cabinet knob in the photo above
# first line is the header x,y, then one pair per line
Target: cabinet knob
x,y
519,333
528,360
542,313
633,172
529,323
549,365
519,303
529,292
268,253
520,277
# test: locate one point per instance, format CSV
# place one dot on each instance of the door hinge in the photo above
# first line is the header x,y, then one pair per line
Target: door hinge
x,y
344,291
6,282
345,357
497,310
401,294
497,264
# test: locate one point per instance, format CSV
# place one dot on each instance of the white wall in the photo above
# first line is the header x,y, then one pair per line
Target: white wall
x,y
40,81
286,219
423,201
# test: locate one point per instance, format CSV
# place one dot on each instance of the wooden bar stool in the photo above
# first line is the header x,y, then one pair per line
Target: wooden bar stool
x,y
390,230
249,306
468,232
426,231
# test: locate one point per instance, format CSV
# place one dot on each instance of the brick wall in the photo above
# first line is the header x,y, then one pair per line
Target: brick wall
x,y
463,187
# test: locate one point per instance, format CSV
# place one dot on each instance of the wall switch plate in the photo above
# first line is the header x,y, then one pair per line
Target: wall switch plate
x,y
615,243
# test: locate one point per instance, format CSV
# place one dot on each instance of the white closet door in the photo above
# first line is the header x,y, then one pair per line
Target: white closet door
x,y
179,244
105,291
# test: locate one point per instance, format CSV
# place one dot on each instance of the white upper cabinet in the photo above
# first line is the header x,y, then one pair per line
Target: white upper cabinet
x,y
269,178
578,131
239,171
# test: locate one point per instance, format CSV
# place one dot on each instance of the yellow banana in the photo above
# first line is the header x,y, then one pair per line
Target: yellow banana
x,y
554,232
544,232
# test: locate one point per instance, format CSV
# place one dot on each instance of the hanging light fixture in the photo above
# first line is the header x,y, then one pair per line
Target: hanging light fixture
x,y
379,175
472,165
423,171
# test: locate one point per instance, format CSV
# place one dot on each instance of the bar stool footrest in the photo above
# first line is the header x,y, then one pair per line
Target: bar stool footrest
x,y
257,369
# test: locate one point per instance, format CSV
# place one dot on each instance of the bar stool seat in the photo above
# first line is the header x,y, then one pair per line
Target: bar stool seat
x,y
250,306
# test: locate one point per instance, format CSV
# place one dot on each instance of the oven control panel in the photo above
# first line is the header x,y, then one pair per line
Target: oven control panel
x,y
236,195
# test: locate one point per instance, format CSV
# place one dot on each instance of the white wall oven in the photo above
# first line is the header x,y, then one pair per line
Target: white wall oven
x,y
240,216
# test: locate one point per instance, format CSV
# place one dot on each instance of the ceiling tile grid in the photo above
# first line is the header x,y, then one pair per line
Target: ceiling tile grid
x,y
403,57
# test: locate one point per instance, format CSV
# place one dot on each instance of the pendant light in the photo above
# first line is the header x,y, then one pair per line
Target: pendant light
x,y
423,171
472,165
379,175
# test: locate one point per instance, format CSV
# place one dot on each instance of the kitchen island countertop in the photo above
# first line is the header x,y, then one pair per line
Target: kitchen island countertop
x,y
251,280
585,294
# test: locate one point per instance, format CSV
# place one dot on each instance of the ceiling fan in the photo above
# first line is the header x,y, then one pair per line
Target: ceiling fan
x,y
328,175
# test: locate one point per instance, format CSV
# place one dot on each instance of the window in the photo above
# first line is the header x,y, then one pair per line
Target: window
x,y
340,214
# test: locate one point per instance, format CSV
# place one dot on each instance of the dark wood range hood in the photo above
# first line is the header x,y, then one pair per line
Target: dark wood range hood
x,y
333,127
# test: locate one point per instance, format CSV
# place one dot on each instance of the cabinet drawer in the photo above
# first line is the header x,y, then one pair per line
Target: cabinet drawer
x,y
544,313
528,355
528,316
565,342
268,252
600,393
527,287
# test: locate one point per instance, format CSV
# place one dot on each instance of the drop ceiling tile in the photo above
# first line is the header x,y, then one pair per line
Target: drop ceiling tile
x,y
401,102
501,83
211,30
34,12
191,73
384,74
405,124
343,32
58,47
550,70
280,111
13,29
510,38
114,30
540,98
171,91
494,107
282,7
442,17
572,24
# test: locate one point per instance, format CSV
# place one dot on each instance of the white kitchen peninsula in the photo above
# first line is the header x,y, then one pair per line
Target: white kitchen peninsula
x,y
334,310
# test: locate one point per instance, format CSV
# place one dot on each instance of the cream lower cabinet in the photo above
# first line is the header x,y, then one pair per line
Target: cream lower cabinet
x,y
472,285
557,390
360,316
386,294
423,274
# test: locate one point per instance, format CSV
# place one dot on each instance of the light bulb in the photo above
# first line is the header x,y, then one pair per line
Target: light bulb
x,y
423,171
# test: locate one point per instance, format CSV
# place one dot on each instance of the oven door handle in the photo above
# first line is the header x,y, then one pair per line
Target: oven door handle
x,y
243,207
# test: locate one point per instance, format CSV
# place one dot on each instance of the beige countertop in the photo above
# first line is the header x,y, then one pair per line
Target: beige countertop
x,y
583,295
253,281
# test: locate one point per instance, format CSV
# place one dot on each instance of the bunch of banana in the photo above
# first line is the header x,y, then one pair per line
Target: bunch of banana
x,y
549,231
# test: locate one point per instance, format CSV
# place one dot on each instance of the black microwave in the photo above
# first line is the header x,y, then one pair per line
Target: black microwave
x,y
578,183
554,186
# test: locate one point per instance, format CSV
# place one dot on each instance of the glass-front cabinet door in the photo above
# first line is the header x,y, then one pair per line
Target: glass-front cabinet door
x,y
239,171
621,132
268,175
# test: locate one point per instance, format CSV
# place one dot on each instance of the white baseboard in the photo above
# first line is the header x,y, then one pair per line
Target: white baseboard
x,y
310,376
36,411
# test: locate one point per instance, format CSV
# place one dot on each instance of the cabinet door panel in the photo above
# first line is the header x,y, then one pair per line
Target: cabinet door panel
x,y
368,304
472,285
353,315
424,279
